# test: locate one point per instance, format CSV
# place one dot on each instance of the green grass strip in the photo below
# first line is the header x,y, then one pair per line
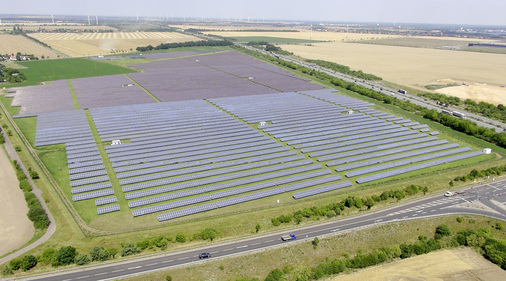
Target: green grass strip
x,y
144,89
107,162
73,93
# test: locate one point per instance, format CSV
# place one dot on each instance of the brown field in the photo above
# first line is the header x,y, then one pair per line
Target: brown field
x,y
476,91
36,26
15,227
414,67
16,43
451,265
92,44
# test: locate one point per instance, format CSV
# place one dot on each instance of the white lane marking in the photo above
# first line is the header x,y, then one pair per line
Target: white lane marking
x,y
228,249
119,270
255,244
135,267
241,247
334,230
167,261
100,273
269,241
182,258
152,264
82,277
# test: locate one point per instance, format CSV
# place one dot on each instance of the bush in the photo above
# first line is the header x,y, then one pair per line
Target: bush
x,y
15,263
275,222
47,255
98,253
129,248
28,262
168,278
6,270
441,231
181,238
257,227
112,252
331,214
25,185
275,275
65,256
82,259
209,233
315,242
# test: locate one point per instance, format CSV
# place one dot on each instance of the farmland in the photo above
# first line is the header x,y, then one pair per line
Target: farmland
x,y
11,44
92,44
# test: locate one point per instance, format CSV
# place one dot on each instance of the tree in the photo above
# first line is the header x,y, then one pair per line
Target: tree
x,y
65,256
257,227
315,242
28,262
112,252
209,233
6,270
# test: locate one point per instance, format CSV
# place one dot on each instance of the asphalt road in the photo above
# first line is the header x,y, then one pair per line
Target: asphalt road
x,y
426,207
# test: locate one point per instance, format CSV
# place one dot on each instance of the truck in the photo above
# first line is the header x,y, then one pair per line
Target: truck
x,y
287,237
402,91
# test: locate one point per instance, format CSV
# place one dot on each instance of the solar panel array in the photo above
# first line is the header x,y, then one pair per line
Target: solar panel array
x,y
108,209
322,189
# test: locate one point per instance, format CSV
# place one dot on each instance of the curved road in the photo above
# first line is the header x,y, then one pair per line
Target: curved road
x,y
426,207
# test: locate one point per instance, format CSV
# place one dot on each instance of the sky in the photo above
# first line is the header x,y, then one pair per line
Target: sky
x,y
464,12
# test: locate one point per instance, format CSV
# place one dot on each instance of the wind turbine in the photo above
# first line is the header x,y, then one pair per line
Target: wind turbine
x,y
96,18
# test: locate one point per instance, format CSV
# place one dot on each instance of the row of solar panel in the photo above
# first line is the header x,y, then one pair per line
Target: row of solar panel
x,y
229,184
217,178
418,167
413,151
108,209
91,187
90,195
207,171
319,190
234,185
406,162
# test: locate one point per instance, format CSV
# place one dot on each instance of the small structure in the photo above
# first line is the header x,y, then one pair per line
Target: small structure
x,y
262,124
116,142
350,111
487,150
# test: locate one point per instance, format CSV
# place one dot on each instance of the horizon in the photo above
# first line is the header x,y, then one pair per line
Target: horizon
x,y
438,12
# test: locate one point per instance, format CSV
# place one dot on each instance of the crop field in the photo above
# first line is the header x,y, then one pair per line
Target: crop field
x,y
186,159
305,35
92,44
414,67
30,26
272,39
11,44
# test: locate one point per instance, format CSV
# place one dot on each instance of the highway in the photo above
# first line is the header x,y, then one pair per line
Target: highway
x,y
498,126
437,205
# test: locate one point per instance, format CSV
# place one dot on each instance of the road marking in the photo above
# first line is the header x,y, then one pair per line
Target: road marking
x,y
256,244
241,247
119,270
182,258
167,261
378,220
269,241
82,277
135,267
100,273
152,264
334,230
228,249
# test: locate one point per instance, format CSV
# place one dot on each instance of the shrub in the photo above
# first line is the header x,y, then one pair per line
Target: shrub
x,y
28,262
17,148
181,238
82,259
25,185
15,264
112,252
275,222
209,233
257,227
6,270
459,219
129,248
47,255
331,214
168,278
442,231
315,242
65,256
98,253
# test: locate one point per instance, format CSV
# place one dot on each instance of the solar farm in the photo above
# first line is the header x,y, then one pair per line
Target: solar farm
x,y
220,130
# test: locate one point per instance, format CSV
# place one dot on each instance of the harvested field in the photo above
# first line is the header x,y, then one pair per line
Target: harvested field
x,y
51,27
414,67
305,34
475,91
15,227
459,264
92,44
11,44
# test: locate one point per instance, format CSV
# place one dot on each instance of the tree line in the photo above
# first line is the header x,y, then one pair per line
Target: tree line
x,y
203,43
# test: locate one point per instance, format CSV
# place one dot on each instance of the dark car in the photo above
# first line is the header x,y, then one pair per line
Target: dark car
x,y
204,256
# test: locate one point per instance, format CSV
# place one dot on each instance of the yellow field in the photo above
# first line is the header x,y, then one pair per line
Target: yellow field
x,y
10,44
92,44
35,26
459,264
305,34
476,91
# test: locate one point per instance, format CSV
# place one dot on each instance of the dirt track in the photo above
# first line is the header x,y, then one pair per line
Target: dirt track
x,y
15,228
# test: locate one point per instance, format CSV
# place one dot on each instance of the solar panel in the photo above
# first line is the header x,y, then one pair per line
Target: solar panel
x,y
322,189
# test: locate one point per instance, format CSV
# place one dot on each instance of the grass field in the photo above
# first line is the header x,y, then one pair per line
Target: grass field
x,y
48,70
92,44
11,44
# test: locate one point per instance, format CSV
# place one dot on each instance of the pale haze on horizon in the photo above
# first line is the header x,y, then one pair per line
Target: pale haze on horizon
x,y
464,12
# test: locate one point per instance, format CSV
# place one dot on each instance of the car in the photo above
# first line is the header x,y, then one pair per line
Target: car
x,y
204,256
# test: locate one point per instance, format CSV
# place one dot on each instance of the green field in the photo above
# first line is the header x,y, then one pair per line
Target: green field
x,y
273,40
50,70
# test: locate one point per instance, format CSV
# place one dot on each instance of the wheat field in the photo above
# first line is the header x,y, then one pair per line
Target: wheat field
x,y
11,44
92,44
